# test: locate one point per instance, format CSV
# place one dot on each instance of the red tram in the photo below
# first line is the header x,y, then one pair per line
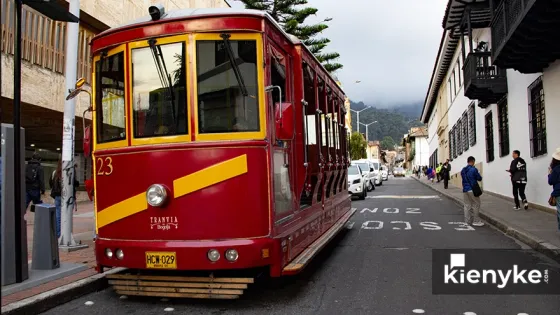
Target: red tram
x,y
219,145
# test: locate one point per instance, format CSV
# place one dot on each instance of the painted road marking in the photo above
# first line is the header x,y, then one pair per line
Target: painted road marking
x,y
402,197
392,210
428,226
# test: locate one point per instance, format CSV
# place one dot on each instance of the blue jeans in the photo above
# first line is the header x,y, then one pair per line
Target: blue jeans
x,y
32,195
558,212
58,205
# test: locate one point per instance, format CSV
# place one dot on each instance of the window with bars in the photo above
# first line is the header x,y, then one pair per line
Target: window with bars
x,y
460,137
465,131
503,126
489,137
450,144
537,118
472,125
454,142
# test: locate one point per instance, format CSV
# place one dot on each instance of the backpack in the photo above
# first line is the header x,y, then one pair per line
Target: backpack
x,y
31,174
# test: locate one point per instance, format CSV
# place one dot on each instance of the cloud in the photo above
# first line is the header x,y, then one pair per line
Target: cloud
x,y
388,45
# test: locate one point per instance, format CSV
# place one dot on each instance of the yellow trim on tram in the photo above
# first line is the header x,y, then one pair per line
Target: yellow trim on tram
x,y
118,143
122,209
162,139
251,135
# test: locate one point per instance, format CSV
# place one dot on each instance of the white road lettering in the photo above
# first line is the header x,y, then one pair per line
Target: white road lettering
x,y
413,210
391,210
462,226
408,226
374,210
377,225
430,226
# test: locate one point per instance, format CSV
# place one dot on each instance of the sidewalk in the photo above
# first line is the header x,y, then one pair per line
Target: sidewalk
x,y
536,228
83,231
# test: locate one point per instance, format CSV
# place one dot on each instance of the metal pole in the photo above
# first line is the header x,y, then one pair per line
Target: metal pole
x,y
17,145
66,238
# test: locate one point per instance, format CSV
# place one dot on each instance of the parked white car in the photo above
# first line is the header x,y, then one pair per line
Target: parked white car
x,y
384,172
368,171
356,182
377,179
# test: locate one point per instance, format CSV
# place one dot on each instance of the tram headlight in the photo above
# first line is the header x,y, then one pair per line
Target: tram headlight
x,y
119,253
109,253
213,255
231,255
156,195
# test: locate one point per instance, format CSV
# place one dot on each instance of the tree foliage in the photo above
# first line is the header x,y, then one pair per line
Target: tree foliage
x,y
387,143
291,15
358,146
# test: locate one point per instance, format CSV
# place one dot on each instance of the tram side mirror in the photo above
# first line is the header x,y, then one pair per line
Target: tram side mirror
x,y
284,121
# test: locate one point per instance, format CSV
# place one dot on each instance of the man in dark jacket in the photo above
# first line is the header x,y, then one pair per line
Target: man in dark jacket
x,y
446,173
518,172
470,176
34,180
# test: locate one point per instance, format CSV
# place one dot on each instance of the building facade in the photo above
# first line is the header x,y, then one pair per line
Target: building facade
x,y
44,44
373,150
493,92
416,148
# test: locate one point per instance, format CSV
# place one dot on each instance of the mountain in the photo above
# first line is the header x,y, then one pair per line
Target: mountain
x,y
394,121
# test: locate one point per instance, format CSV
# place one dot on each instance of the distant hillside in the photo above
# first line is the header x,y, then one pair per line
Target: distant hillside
x,y
394,121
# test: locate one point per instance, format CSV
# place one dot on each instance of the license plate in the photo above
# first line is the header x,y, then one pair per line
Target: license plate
x,y
161,260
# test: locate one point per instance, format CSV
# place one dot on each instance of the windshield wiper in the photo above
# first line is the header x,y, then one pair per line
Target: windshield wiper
x,y
234,65
164,75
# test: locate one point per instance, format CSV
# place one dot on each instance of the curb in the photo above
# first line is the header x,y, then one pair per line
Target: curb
x,y
531,240
47,300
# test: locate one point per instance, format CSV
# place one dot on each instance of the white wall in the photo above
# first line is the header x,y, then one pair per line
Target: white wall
x,y
433,139
495,178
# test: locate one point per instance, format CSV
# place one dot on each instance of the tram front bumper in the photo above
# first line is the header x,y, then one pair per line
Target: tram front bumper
x,y
185,255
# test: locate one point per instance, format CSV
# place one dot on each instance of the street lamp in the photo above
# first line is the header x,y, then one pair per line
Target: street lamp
x,y
358,116
367,131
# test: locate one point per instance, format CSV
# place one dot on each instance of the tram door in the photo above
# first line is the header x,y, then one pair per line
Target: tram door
x,y
278,67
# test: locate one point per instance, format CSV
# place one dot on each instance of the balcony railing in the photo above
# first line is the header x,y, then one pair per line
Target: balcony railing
x,y
483,80
506,18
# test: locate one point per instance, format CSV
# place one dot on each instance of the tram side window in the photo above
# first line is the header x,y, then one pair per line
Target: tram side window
x,y
223,105
109,96
278,78
309,110
159,94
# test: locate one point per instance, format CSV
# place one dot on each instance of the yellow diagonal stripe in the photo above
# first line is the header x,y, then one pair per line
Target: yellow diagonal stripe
x,y
122,210
210,176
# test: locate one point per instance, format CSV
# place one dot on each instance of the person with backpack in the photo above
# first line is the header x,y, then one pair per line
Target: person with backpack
x,y
471,193
518,172
56,193
34,181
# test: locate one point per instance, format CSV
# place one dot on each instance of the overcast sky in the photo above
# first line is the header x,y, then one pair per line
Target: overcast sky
x,y
389,45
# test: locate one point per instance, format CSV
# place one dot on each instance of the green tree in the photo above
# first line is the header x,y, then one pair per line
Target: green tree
x,y
358,146
291,16
387,143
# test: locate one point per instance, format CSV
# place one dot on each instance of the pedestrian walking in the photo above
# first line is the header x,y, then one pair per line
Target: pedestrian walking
x,y
554,181
34,181
446,173
438,172
56,193
518,173
471,193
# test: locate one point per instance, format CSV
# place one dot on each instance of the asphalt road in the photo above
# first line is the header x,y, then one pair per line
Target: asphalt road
x,y
370,268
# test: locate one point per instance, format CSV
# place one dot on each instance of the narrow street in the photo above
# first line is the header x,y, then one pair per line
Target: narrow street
x,y
381,264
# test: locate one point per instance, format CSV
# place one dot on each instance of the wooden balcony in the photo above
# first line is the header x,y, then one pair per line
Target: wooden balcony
x,y
484,82
525,34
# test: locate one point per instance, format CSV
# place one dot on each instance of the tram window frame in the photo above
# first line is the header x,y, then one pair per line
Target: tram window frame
x,y
321,87
99,128
309,111
253,83
181,81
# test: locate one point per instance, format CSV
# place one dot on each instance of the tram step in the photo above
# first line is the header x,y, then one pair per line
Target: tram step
x,y
307,254
178,287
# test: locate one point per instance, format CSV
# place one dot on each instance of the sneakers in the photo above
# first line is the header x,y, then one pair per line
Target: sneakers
x,y
525,205
516,208
478,223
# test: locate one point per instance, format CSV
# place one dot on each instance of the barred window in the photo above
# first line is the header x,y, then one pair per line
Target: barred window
x,y
472,125
465,131
459,137
537,118
450,144
454,141
489,137
503,126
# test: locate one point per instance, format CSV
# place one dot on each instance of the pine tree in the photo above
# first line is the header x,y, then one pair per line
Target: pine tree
x,y
291,16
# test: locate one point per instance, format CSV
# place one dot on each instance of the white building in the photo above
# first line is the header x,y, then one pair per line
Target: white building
x,y
501,97
417,147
